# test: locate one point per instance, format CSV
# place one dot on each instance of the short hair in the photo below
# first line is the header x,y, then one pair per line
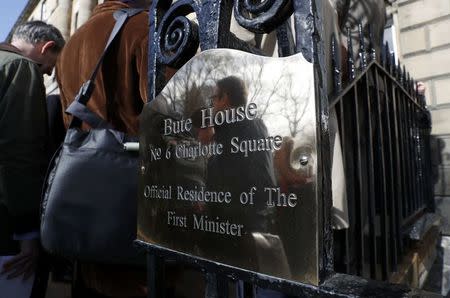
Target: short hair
x,y
37,31
236,90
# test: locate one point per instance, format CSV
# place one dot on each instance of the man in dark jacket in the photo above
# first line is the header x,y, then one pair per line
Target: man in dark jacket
x,y
23,142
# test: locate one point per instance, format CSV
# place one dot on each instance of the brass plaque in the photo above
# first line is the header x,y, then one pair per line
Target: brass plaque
x,y
228,164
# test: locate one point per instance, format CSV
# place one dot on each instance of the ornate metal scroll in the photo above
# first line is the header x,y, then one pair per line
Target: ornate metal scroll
x,y
174,39
178,37
262,17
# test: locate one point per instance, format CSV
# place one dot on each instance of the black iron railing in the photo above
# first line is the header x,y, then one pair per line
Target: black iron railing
x,y
385,129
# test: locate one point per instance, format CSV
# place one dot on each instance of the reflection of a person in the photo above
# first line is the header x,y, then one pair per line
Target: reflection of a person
x,y
233,171
237,173
205,136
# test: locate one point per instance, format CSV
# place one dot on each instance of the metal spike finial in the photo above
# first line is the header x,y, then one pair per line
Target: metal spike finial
x,y
404,78
336,66
350,61
392,65
385,56
407,78
416,90
372,51
411,84
411,87
399,72
362,48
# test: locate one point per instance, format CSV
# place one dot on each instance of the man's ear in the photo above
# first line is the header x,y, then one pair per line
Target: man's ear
x,y
47,46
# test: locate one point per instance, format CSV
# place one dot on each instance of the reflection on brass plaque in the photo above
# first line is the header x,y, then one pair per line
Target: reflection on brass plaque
x,y
229,152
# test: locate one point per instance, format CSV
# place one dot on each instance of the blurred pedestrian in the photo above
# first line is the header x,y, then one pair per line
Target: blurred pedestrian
x,y
23,149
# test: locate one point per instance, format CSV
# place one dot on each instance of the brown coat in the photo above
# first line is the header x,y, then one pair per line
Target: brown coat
x,y
121,85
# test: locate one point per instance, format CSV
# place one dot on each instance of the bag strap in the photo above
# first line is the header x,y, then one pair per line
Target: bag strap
x,y
78,109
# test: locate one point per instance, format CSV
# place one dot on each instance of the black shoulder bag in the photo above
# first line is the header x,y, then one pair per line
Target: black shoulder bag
x,y
90,196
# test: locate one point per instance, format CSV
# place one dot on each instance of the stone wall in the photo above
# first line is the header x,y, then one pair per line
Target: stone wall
x,y
424,34
424,27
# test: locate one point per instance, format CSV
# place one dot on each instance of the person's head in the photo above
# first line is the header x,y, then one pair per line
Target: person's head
x,y
39,42
230,92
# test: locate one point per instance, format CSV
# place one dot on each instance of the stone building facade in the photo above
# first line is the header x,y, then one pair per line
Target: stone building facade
x,y
423,38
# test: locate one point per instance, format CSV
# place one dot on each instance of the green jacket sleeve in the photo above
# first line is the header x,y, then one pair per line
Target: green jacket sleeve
x,y
23,142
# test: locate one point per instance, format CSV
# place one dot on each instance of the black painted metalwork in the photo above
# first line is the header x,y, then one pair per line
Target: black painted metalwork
x,y
382,124
362,49
336,66
372,51
262,17
385,161
286,43
155,277
350,62
177,35
392,69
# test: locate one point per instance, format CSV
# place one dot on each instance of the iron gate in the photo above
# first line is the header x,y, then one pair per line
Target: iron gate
x,y
389,129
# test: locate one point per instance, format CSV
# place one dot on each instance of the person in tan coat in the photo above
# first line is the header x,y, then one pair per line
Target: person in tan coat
x,y
119,95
